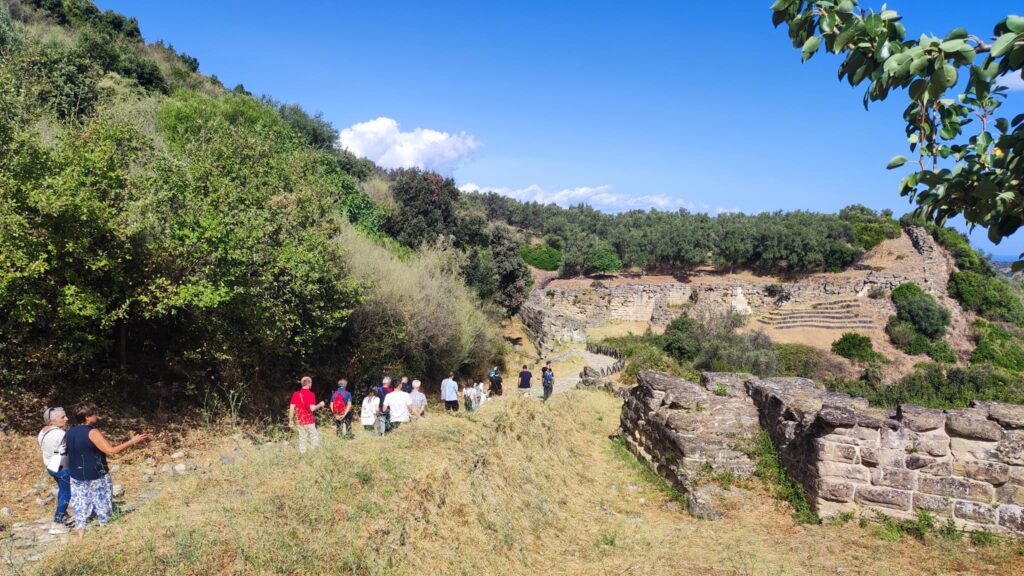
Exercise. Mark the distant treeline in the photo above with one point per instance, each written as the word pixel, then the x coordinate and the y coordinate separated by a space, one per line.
pixel 777 242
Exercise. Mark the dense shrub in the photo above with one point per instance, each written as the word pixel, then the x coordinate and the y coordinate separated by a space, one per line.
pixel 806 362
pixel 541 256
pixel 855 347
pixel 998 345
pixel 941 351
pixel 645 352
pixel 778 292
pixel 680 339
pixel 990 296
pixel 939 386
pixel 870 228
pixel 914 305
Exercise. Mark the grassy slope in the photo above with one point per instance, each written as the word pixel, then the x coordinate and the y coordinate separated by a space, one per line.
pixel 518 488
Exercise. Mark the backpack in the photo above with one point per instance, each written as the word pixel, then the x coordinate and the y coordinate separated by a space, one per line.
pixel 549 377
pixel 340 400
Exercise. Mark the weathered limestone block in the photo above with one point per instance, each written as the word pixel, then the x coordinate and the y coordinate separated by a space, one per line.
pixel 1010 416
pixel 1011 447
pixel 975 512
pixel 972 423
pixel 734 384
pixel 937 504
pixel 959 488
pixel 994 473
pixel 847 471
pixel 868 436
pixel 835 490
pixel 1017 475
pixel 894 478
pixel 1010 494
pixel 1012 518
pixel 933 443
pixel 962 448
pixel 836 452
pixel 919 418
pixel 886 497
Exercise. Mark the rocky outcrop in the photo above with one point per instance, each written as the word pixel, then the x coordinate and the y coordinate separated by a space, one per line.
pixel 966 464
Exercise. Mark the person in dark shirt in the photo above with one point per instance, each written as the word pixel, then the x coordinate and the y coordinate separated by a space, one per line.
pixel 524 378
pixel 495 378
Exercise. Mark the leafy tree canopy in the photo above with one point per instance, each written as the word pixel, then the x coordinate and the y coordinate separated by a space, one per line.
pixel 969 157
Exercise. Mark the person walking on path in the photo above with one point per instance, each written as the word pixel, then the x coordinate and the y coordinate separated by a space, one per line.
pixel 91 486
pixel 55 458
pixel 341 407
pixel 301 409
pixel 405 386
pixel 548 381
pixel 495 381
pixel 524 380
pixel 398 406
pixel 368 411
pixel 419 399
pixel 450 393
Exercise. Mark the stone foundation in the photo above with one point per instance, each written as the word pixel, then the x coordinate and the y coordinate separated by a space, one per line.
pixel 966 464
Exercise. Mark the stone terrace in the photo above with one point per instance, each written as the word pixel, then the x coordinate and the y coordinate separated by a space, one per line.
pixel 966 464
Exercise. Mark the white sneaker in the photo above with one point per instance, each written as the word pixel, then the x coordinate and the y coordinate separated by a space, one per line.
pixel 58 528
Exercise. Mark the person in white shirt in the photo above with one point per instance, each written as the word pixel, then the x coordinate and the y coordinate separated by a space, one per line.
pixel 419 399
pixel 481 394
pixel 470 394
pixel 450 393
pixel 368 412
pixel 55 458
pixel 399 408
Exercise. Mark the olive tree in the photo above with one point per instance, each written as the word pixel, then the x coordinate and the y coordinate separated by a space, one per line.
pixel 969 157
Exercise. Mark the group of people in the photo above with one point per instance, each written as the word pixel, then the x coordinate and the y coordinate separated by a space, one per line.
pixel 388 406
pixel 76 459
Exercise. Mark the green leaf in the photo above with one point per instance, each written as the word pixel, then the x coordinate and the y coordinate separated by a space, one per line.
pixel 957 33
pixel 811 46
pixel 1003 44
pixel 896 162
pixel 952 45
pixel 1015 23
pixel 1003 125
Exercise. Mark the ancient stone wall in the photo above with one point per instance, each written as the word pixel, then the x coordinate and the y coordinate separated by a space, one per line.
pixel 966 464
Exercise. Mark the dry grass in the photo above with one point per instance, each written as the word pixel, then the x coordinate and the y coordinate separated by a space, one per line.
pixel 618 328
pixel 517 488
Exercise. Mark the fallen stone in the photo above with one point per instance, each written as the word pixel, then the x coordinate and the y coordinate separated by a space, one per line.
pixel 44 501
pixel 180 469
pixel 177 455
pixel 5 512
pixel 147 478
pixel 149 461
pixel 167 469
pixel 117 491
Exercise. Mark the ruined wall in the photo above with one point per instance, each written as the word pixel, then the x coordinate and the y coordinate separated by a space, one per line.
pixel 966 464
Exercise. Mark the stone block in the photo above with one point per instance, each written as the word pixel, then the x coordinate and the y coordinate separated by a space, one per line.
pixel 1016 474
pixel 1010 494
pixel 937 504
pixel 869 456
pixel 838 416
pixel 959 488
pixel 919 418
pixel 841 470
pixel 1010 448
pixel 868 436
pixel 994 473
pixel 975 512
pixel 836 452
pixel 900 478
pixel 885 497
pixel 933 444
pixel 971 423
pixel 916 461
pixel 835 490
pixel 1008 415
pixel 893 439
pixel 963 448
pixel 1012 518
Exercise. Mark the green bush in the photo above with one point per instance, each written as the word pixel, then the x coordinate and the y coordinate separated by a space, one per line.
pixel 1000 346
pixel 855 347
pixel 920 309
pixel 941 351
pixel 542 256
pixel 991 297
pixel 680 339
pixel 939 386
pixel 806 362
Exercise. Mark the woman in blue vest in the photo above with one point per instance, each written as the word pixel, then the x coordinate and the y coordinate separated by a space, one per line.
pixel 87 450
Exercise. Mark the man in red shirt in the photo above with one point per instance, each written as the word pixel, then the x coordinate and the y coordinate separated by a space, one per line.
pixel 301 408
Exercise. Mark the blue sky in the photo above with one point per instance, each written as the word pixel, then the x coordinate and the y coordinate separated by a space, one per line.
pixel 670 104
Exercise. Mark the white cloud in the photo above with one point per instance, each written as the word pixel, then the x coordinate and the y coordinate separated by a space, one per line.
pixel 382 141
pixel 597 196
pixel 1013 81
